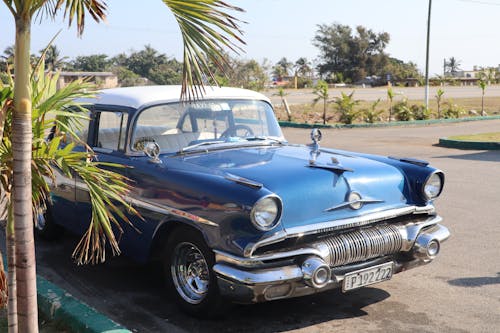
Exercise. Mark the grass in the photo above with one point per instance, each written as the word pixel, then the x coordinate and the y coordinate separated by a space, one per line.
pixel 308 113
pixel 483 137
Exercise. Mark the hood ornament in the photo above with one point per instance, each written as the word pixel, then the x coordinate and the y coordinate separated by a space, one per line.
pixel 354 201
pixel 315 151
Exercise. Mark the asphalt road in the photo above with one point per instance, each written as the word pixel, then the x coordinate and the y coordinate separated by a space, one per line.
pixel 458 292
pixel 305 96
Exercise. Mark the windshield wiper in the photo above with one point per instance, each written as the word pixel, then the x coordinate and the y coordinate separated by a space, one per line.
pixel 199 144
pixel 263 138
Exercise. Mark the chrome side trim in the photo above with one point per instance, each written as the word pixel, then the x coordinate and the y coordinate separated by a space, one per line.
pixel 243 181
pixel 274 238
pixel 162 209
pixel 157 208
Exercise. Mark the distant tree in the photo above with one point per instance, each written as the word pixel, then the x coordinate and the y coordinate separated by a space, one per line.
pixel 53 59
pixel 354 54
pixel 302 71
pixel 401 70
pixel 452 65
pixel 127 78
pixel 152 65
pixel 282 68
pixel 91 63
pixel 248 74
pixel 7 59
pixel 321 92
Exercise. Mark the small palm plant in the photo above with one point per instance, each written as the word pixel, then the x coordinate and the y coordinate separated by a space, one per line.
pixel 282 94
pixel 439 97
pixel 390 96
pixel 482 84
pixel 345 106
pixel 371 114
pixel 321 92
pixel 56 112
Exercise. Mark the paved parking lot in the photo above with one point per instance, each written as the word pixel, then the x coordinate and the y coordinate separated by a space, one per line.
pixel 459 292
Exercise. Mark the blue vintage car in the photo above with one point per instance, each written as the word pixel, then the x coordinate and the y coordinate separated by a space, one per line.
pixel 235 212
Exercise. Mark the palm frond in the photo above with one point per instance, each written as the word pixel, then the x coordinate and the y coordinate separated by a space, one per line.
pixel 76 9
pixel 55 111
pixel 206 28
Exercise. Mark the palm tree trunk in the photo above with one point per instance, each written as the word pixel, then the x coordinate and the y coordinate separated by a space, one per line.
pixel 21 195
pixel 11 271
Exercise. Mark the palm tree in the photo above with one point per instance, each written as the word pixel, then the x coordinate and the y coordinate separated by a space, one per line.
pixel 206 28
pixel 53 59
pixel 453 65
pixel 282 68
pixel 7 59
pixel 301 68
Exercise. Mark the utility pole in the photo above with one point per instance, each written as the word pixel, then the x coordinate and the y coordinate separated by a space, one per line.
pixel 427 57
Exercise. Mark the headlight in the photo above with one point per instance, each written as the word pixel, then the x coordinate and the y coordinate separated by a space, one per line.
pixel 266 213
pixel 434 185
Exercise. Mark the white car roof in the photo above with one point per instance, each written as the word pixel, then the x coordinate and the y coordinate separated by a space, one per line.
pixel 136 97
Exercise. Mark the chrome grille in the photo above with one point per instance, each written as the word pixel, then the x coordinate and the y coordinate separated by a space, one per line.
pixel 362 244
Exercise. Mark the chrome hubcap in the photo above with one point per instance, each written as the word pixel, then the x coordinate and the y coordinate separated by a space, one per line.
pixel 190 273
pixel 40 220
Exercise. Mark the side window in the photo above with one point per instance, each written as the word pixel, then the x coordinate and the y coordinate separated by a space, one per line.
pixel 112 130
pixel 83 129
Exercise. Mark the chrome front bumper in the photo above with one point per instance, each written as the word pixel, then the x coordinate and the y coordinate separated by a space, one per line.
pixel 291 273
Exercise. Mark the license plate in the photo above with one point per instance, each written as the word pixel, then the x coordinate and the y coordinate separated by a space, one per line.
pixel 367 276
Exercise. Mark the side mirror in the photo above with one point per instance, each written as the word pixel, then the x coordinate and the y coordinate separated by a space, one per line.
pixel 149 147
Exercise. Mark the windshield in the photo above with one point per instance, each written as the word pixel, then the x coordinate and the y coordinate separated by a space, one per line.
pixel 179 127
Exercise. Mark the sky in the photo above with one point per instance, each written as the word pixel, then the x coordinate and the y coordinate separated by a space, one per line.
pixel 468 30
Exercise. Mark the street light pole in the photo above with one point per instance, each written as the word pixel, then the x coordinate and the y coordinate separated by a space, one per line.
pixel 427 58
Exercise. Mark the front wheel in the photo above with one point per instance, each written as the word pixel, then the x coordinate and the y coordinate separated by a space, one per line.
pixel 188 266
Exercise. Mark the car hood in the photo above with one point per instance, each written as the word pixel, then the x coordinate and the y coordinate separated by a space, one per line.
pixel 314 187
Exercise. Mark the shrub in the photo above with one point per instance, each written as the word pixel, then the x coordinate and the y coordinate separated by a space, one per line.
pixel 4 78
pixel 371 115
pixel 402 111
pixel 345 106
pixel 452 110
pixel 420 112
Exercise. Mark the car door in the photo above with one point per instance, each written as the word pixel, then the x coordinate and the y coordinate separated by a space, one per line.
pixel 107 136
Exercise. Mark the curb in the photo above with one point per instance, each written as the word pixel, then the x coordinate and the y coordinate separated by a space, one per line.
pixel 387 124
pixel 473 145
pixel 58 305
